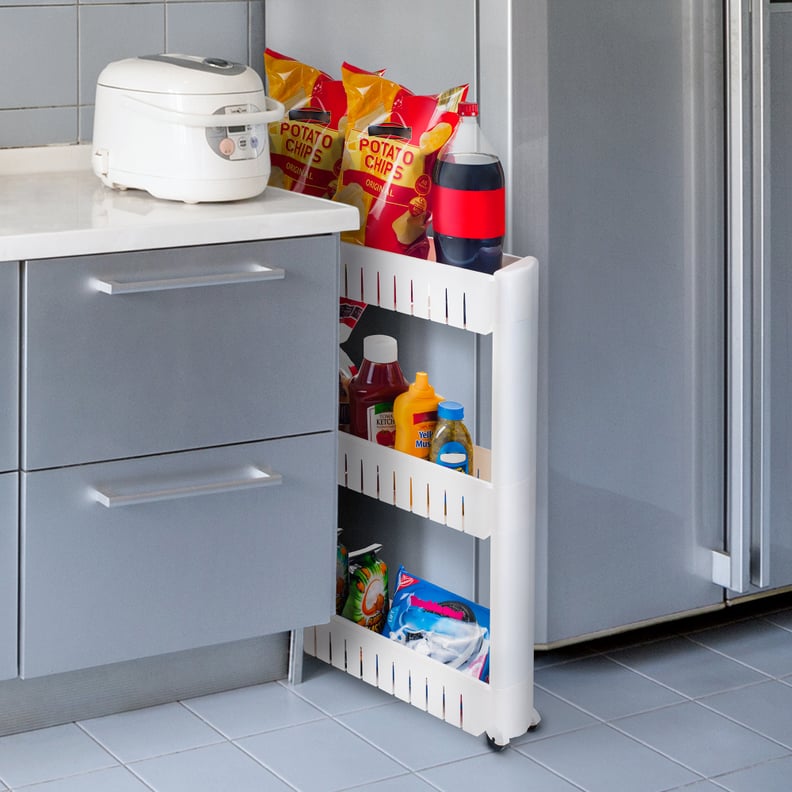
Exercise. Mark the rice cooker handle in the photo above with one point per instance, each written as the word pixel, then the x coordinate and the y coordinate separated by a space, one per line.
pixel 274 112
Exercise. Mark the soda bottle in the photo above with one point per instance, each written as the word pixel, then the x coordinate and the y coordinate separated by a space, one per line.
pixel 469 199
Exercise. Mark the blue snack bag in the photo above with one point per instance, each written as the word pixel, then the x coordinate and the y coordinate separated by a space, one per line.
pixel 440 625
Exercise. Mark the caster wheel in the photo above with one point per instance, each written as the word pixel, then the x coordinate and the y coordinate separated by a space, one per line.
pixel 495 746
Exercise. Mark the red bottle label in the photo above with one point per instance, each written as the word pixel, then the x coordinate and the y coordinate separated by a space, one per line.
pixel 469 214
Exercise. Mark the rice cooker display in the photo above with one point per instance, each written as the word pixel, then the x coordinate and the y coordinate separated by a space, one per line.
pixel 236 141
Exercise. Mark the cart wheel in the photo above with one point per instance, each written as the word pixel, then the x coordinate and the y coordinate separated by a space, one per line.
pixel 495 746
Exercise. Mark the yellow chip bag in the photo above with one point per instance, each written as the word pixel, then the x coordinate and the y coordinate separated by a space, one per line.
pixel 306 145
pixel 392 140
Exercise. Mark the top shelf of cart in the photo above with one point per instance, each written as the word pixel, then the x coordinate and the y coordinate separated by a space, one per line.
pixel 429 290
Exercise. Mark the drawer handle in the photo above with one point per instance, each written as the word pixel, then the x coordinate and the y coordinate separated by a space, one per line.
pixel 187 282
pixel 258 477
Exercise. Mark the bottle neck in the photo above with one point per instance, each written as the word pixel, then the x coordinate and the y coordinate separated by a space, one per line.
pixel 467 137
pixel 380 373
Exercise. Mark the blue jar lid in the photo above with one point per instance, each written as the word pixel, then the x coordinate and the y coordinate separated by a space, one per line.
pixel 450 410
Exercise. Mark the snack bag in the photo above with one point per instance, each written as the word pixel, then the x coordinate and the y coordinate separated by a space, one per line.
pixel 342 576
pixel 349 315
pixel 392 140
pixel 306 145
pixel 440 625
pixel 367 602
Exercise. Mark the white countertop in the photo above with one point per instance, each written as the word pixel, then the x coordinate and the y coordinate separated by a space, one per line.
pixel 52 204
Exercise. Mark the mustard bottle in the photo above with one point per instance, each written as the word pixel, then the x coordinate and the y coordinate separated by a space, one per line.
pixel 415 416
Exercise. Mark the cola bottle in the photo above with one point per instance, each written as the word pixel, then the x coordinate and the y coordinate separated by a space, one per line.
pixel 469 198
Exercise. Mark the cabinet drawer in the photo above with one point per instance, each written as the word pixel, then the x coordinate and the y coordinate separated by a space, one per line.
pixel 9 364
pixel 8 575
pixel 183 356
pixel 178 551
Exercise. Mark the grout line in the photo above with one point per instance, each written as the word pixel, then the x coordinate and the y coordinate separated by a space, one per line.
pixel 714 779
pixel 722 653
pixel 752 729
pixel 263 764
pixel 655 749
pixel 549 769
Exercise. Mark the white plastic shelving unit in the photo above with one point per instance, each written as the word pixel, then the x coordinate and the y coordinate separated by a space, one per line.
pixel 498 503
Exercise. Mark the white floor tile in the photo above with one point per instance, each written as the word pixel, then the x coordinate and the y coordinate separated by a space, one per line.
pixel 765 708
pixel 589 684
pixel 405 783
pixel 557 717
pixel 142 734
pixel 116 779
pixel 686 667
pixel 336 692
pixel 48 754
pixel 759 644
pixel 321 756
pixel 240 713
pixel 700 738
pixel 508 770
pixel 412 737
pixel 214 768
pixel 599 759
pixel 767 777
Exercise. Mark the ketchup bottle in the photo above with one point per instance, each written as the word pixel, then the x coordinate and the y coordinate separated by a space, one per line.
pixel 469 199
pixel 373 390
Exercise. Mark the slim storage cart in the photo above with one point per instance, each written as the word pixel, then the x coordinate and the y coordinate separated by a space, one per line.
pixel 497 503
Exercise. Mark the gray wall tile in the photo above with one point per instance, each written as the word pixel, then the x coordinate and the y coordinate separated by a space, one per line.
pixel 208 28
pixel 86 124
pixel 256 43
pixel 38 56
pixel 38 127
pixel 112 32
pixel 50 99
pixel 34 2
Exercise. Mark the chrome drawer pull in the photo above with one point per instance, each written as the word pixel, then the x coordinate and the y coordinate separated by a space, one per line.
pixel 259 477
pixel 132 287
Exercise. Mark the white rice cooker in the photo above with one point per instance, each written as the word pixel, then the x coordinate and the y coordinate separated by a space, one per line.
pixel 183 127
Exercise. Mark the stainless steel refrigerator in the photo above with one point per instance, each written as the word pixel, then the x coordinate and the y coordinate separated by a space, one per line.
pixel 759 531
pixel 645 145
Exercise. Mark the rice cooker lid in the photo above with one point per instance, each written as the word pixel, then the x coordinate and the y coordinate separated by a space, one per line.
pixel 180 74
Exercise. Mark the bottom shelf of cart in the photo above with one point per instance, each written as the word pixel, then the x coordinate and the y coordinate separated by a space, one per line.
pixel 444 692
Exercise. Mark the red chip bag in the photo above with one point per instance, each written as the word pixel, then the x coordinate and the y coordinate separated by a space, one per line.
pixel 392 140
pixel 306 145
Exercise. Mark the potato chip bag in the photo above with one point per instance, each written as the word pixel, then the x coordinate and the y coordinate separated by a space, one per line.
pixel 306 145
pixel 392 140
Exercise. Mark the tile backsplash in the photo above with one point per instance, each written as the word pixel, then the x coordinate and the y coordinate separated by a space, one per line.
pixel 52 52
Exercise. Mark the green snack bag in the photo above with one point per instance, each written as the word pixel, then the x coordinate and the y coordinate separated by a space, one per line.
pixel 367 602
pixel 342 576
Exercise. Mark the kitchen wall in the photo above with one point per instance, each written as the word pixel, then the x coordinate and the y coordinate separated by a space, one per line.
pixel 51 52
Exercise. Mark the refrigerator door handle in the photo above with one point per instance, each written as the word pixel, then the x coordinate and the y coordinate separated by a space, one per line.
pixel 730 569
pixel 760 236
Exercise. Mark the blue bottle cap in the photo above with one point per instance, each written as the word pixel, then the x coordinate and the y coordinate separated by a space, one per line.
pixel 452 411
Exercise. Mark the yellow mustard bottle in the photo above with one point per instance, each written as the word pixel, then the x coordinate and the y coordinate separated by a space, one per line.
pixel 415 416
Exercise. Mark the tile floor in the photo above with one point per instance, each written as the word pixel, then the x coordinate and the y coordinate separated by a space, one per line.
pixel 702 705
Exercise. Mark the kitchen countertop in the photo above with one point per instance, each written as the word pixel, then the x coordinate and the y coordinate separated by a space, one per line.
pixel 52 204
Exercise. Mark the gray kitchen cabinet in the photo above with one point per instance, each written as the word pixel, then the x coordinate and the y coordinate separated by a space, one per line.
pixel 146 556
pixel 9 414
pixel 178 449
pixel 9 364
pixel 8 575
pixel 148 352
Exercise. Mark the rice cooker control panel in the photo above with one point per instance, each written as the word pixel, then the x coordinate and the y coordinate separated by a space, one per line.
pixel 236 141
